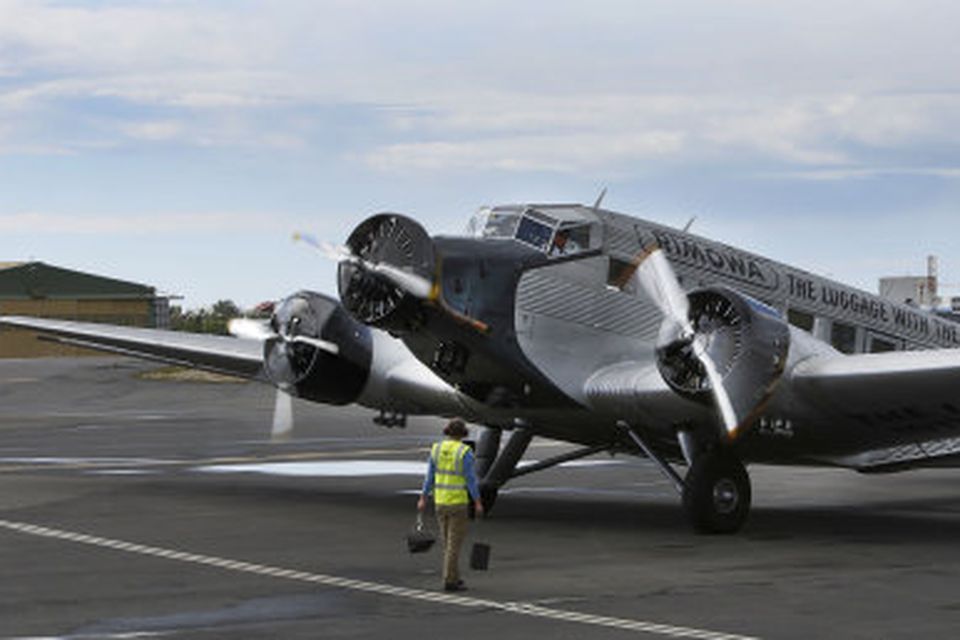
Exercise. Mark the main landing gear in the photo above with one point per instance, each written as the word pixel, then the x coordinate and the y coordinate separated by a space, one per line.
pixel 716 490
pixel 716 493
pixel 495 466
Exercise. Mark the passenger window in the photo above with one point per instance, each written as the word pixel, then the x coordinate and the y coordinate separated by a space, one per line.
pixel 619 272
pixel 878 344
pixel 800 319
pixel 843 337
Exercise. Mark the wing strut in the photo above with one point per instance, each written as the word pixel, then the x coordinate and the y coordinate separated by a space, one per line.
pixel 635 435
pixel 560 459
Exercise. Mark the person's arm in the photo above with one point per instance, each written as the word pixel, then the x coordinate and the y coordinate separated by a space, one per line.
pixel 473 487
pixel 427 483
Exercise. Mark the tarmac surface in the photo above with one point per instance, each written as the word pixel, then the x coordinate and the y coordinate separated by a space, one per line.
pixel 138 508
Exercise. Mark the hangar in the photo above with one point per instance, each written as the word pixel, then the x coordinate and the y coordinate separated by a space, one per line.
pixel 46 291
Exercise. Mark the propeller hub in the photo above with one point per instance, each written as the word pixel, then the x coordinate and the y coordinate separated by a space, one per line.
pixel 717 332
pixel 288 360
pixel 733 358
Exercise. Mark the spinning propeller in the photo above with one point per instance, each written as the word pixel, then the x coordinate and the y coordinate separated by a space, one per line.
pixel 695 350
pixel 387 271
pixel 404 279
pixel 291 344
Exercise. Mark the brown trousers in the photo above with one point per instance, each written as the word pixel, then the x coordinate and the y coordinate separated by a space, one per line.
pixel 453 529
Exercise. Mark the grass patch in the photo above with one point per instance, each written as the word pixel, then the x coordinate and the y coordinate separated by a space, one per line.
pixel 185 374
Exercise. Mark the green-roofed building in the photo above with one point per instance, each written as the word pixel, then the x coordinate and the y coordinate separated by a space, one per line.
pixel 43 290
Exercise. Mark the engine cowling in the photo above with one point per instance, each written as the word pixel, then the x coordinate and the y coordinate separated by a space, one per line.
pixel 747 341
pixel 306 370
pixel 396 240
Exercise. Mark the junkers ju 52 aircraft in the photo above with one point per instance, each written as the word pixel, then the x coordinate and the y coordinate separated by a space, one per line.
pixel 613 333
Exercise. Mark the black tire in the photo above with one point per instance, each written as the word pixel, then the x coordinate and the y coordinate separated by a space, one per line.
pixel 716 495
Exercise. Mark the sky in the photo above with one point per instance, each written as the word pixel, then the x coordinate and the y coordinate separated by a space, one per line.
pixel 180 144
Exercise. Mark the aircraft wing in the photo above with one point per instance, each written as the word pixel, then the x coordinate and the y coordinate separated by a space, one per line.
pixel 915 394
pixel 912 381
pixel 220 354
pixel 910 393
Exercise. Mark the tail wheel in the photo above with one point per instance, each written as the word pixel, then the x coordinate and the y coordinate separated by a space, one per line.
pixel 716 494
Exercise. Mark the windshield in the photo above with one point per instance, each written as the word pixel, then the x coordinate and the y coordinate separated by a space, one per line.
pixel 553 235
pixel 534 233
pixel 489 223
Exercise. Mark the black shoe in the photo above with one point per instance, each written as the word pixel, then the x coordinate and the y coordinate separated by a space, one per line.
pixel 455 586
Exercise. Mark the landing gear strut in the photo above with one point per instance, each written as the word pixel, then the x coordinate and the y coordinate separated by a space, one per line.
pixel 496 466
pixel 716 493
pixel 488 447
pixel 503 465
pixel 716 489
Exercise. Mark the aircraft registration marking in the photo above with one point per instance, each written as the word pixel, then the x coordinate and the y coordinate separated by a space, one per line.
pixel 518 608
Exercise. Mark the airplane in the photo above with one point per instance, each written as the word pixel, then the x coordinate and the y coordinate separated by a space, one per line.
pixel 607 331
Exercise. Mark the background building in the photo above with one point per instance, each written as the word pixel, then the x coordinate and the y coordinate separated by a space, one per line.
pixel 46 291
pixel 922 291
pixel 913 290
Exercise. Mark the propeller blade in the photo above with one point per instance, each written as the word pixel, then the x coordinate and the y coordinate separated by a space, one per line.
pixel 720 395
pixel 299 236
pixel 282 417
pixel 323 345
pixel 417 286
pixel 250 329
pixel 658 281
pixel 328 249
pixel 413 284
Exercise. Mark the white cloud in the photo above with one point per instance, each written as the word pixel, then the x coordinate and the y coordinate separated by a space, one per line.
pixel 849 173
pixel 523 132
pixel 142 224
pixel 156 130
pixel 561 153
pixel 747 83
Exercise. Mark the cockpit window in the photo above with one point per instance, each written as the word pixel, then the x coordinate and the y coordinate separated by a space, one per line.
pixel 570 239
pixel 534 233
pixel 554 235
pixel 488 223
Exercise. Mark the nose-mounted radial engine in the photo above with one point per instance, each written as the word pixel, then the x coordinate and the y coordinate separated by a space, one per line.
pixel 387 270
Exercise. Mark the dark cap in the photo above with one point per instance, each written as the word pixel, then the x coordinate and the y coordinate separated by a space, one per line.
pixel 456 428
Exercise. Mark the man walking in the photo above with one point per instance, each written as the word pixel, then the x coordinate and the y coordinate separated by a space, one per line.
pixel 452 480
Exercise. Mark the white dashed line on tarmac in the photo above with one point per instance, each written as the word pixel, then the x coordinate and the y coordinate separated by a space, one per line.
pixel 517 608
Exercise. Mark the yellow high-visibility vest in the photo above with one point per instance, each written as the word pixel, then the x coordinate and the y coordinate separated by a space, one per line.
pixel 449 478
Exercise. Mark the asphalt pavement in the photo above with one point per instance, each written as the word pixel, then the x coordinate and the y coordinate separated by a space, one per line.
pixel 133 507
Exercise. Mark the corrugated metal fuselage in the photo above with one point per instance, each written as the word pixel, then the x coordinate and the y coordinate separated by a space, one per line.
pixel 553 322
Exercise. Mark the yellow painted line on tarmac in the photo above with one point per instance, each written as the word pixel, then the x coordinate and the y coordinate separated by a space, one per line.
pixel 516 608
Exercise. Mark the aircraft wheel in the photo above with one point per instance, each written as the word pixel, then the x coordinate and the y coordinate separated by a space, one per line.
pixel 717 493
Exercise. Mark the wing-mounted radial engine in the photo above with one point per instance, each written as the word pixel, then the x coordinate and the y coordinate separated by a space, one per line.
pixel 732 352
pixel 313 349
pixel 716 345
